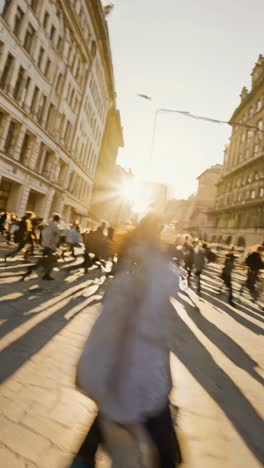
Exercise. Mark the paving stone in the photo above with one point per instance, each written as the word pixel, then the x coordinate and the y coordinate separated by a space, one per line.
pixel 10 460
pixel 23 441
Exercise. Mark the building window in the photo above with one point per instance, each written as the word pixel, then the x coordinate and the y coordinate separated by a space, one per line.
pixel 29 38
pixel 40 56
pixel 8 70
pixel 59 44
pixel 261 192
pixel 253 194
pixel 48 69
pixel 18 21
pixel 10 137
pixel 41 108
pixel 59 83
pixel 25 148
pixel 256 149
pixel 46 20
pixel 52 33
pixel 19 83
pixel 51 118
pixel 34 100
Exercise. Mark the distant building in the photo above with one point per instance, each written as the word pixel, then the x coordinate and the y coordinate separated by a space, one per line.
pixel 238 216
pixel 56 88
pixel 199 216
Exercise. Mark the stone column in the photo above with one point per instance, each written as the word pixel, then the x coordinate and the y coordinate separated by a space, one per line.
pixel 33 156
pixel 43 207
pixel 4 131
pixel 29 96
pixel 18 200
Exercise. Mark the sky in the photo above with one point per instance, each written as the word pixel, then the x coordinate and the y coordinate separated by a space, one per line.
pixel 191 55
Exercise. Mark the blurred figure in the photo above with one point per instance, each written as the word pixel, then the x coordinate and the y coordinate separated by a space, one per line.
pixel 199 261
pixel 73 238
pixel 3 218
pixel 50 240
pixel 13 226
pixel 188 256
pixel 254 263
pixel 227 275
pixel 24 236
pixel 130 343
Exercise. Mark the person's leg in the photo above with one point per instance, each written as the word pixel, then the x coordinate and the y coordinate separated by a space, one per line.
pixel 161 431
pixel 230 291
pixel 48 264
pixel 198 274
pixel 91 443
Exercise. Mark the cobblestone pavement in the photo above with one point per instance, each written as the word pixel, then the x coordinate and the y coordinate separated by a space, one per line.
pixel 217 365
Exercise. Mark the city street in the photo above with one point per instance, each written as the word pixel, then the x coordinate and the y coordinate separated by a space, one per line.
pixel 217 363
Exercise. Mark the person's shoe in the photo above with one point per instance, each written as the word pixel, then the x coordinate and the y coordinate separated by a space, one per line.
pixel 232 303
pixel 47 277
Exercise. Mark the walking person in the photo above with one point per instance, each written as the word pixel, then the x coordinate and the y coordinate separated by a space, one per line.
pixel 188 254
pixel 73 238
pixel 227 275
pixel 130 343
pixel 24 236
pixel 199 260
pixel 50 242
pixel 3 219
pixel 254 263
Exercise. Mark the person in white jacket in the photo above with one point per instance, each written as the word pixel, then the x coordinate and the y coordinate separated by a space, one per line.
pixel 50 241
pixel 130 343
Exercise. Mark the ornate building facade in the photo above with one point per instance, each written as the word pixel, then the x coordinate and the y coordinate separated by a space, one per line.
pixel 56 88
pixel 238 216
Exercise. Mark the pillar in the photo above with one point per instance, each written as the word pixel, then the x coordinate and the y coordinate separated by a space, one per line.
pixel 17 202
pixel 44 205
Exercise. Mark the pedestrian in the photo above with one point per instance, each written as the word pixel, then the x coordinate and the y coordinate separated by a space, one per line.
pixel 254 263
pixel 23 236
pixel 188 255
pixel 3 218
pixel 199 263
pixel 227 275
pixel 50 241
pixel 73 238
pixel 13 226
pixel 130 343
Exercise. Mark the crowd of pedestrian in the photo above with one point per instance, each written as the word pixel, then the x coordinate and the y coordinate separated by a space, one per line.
pixel 53 240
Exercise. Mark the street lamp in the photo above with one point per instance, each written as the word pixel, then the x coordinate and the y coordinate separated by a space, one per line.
pixel 200 117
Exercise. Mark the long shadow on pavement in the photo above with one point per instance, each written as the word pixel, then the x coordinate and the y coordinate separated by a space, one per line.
pixel 223 342
pixel 21 350
pixel 233 313
pixel 219 386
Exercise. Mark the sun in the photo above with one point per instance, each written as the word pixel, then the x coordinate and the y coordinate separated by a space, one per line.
pixel 132 191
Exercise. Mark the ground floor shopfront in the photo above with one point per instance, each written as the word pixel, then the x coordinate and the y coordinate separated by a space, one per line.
pixel 22 190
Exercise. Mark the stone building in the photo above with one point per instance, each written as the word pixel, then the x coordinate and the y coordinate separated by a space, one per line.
pixel 239 211
pixel 106 196
pixel 56 88
pixel 198 222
